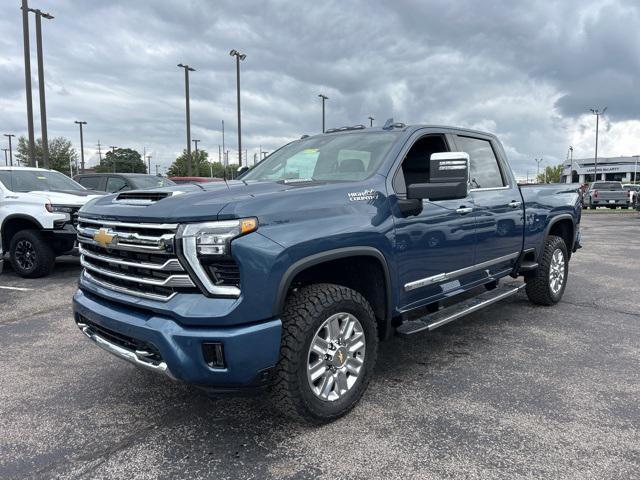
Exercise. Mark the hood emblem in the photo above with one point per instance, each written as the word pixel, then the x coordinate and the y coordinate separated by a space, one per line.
pixel 104 238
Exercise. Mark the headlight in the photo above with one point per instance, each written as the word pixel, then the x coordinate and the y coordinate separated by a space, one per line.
pixel 58 208
pixel 202 242
pixel 214 238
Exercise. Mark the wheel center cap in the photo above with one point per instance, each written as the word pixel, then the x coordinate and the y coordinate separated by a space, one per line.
pixel 339 357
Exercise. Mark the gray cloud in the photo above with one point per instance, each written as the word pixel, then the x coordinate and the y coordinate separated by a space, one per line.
pixel 525 71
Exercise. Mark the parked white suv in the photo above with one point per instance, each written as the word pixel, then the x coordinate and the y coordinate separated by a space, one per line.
pixel 38 214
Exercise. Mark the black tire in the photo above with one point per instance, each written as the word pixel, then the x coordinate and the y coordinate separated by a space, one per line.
pixel 538 287
pixel 31 256
pixel 592 207
pixel 305 312
pixel 625 208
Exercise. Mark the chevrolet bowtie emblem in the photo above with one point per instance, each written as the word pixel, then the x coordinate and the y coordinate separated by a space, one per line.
pixel 103 237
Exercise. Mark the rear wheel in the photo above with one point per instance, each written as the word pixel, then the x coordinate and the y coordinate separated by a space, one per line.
pixel 328 351
pixel 546 285
pixel 31 256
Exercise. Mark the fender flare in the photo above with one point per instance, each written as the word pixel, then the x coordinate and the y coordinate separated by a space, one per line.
pixel 329 255
pixel 547 229
pixel 20 216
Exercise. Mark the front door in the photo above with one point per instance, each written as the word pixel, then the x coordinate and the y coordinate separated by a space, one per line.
pixel 498 207
pixel 437 241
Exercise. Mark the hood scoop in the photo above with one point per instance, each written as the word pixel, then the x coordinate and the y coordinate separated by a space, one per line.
pixel 142 197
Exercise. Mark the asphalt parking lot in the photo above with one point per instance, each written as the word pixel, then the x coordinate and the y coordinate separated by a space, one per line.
pixel 514 391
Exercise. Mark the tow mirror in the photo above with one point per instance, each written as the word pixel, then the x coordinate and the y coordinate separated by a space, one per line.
pixel 448 175
pixel 242 169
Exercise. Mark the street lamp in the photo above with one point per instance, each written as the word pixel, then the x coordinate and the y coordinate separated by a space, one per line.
pixel 27 81
pixel 187 69
pixel 324 98
pixel 195 142
pixel 9 135
pixel 571 163
pixel 80 124
pixel 371 119
pixel 597 113
pixel 43 108
pixel 239 56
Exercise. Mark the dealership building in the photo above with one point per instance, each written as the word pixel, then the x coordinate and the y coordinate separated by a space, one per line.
pixel 620 169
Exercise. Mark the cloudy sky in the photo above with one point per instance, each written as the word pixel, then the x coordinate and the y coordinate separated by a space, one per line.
pixel 527 71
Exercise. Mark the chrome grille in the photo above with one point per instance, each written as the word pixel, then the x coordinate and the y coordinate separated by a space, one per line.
pixel 138 259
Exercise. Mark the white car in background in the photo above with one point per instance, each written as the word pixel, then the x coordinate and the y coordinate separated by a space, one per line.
pixel 634 192
pixel 38 215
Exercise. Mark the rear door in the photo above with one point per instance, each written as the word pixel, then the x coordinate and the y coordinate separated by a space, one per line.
pixel 498 205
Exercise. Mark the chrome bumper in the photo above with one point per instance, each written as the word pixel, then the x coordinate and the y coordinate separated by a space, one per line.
pixel 138 357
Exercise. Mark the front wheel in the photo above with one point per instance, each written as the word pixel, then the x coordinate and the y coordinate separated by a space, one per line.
pixel 327 354
pixel 31 256
pixel 546 285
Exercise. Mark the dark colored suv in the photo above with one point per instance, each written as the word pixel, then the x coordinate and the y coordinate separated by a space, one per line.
pixel 118 182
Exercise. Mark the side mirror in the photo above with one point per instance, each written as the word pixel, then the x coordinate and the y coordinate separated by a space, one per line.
pixel 241 170
pixel 448 175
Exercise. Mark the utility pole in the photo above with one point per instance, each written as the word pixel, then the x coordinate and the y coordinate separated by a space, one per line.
pixel 538 161
pixel 187 69
pixel 5 150
pixel 239 56
pixel 27 80
pixel 195 142
pixel 9 135
pixel 223 149
pixel 148 157
pixel 324 98
pixel 635 171
pixel 99 151
pixel 219 154
pixel 371 119
pixel 43 104
pixel 113 154
pixel 571 163
pixel 597 113
pixel 81 145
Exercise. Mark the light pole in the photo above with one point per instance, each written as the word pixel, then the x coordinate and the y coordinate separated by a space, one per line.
pixel 27 81
pixel 538 161
pixel 9 135
pixel 324 98
pixel 571 163
pixel 187 69
pixel 80 124
pixel 43 107
pixel 635 170
pixel 597 113
pixel 371 119
pixel 239 56
pixel 195 142
pixel 148 157
pixel 5 150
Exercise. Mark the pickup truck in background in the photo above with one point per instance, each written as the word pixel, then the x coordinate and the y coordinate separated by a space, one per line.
pixel 289 277
pixel 606 194
pixel 38 214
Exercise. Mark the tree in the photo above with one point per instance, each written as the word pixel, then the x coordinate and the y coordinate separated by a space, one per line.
pixel 61 153
pixel 126 160
pixel 200 166
pixel 550 175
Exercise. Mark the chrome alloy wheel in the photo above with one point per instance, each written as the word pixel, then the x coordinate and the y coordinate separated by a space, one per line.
pixel 25 254
pixel 336 356
pixel 556 271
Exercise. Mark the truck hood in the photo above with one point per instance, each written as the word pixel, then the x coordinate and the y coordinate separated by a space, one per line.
pixel 64 197
pixel 188 203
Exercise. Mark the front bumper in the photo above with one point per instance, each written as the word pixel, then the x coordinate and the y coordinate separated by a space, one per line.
pixel 251 351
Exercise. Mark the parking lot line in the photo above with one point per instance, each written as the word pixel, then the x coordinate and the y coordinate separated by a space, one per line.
pixel 20 289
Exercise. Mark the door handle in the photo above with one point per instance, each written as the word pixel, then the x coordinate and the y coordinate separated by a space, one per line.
pixel 464 210
pixel 515 204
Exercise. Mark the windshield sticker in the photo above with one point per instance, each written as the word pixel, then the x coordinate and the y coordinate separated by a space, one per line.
pixel 310 150
pixel 365 195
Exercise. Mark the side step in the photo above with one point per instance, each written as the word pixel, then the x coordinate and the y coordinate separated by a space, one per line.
pixel 457 310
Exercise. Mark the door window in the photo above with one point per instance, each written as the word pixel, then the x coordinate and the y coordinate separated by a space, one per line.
pixel 92 183
pixel 415 166
pixel 116 184
pixel 484 169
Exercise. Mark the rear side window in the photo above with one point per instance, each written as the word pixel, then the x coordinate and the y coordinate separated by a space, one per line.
pixel 92 183
pixel 607 185
pixel 484 169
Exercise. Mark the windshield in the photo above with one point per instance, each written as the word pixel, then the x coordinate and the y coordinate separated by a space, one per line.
pixel 150 181
pixel 352 156
pixel 37 180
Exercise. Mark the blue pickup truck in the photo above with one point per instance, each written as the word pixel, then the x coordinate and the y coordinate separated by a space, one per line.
pixel 288 278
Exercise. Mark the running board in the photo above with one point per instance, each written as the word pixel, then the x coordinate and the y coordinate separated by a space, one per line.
pixel 457 310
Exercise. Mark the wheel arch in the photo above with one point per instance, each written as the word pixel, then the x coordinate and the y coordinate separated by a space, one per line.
pixel 562 226
pixel 313 263
pixel 14 223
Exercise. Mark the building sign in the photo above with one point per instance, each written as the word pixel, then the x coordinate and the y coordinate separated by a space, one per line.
pixel 604 168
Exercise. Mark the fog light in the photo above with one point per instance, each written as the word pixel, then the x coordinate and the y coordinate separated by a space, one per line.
pixel 213 354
